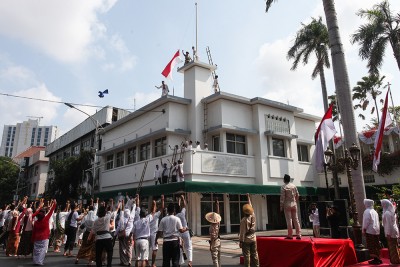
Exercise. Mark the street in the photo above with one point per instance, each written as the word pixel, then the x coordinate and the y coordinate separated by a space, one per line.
pixel 201 257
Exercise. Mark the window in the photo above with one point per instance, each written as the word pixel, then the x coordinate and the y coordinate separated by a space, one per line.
pixel 302 153
pixel 160 147
pixel 33 136
pixel 120 159
pixel 278 147
pixel 207 204
pixel 236 203
pixel 369 178
pixel 86 145
pixel 39 136
pixel 236 144
pixel 75 150
pixel 215 143
pixel 109 162
pixel 36 170
pixel 131 155
pixel 34 188
pixel 144 151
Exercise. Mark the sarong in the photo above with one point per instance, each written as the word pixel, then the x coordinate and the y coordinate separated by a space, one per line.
pixel 393 250
pixel 373 245
pixel 25 244
pixel 125 249
pixel 88 248
pixel 12 243
pixel 39 251
pixel 58 237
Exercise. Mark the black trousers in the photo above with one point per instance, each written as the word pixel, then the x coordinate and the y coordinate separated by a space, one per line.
pixel 165 179
pixel 71 236
pixel 171 251
pixel 104 244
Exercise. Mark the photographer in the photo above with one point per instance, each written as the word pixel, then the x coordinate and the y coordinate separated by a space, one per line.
pixel 314 218
pixel 332 215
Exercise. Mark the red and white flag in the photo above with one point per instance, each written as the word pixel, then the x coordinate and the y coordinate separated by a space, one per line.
pixel 325 132
pixel 167 72
pixel 383 123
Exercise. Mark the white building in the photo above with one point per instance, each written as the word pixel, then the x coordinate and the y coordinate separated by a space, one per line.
pixel 35 167
pixel 17 138
pixel 252 144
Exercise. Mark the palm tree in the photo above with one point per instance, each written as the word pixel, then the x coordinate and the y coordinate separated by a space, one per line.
pixel 342 86
pixel 312 39
pixel 368 86
pixel 335 109
pixel 373 37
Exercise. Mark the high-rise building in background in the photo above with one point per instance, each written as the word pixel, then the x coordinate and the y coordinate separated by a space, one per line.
pixel 17 138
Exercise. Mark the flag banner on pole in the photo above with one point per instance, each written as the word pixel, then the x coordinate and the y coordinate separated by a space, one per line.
pixel 325 132
pixel 167 72
pixel 383 123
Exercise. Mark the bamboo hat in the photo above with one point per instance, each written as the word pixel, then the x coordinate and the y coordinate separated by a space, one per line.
pixel 213 217
pixel 248 209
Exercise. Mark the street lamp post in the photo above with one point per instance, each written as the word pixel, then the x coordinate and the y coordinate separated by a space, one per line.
pixel 350 161
pixel 96 141
pixel 326 180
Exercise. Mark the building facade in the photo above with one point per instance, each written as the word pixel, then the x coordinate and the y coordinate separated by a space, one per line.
pixel 17 138
pixel 252 143
pixel 83 137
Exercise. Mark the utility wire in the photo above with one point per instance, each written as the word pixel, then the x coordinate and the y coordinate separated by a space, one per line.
pixel 74 104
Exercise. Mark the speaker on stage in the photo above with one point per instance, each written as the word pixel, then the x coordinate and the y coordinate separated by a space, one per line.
pixel 343 208
pixel 322 205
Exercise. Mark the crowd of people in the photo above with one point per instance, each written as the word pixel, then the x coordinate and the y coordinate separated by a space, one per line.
pixel 174 172
pixel 30 230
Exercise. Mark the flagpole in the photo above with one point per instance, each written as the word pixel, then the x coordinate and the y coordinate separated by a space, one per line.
pixel 196 30
pixel 394 110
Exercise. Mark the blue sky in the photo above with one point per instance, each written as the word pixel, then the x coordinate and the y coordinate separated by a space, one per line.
pixel 69 50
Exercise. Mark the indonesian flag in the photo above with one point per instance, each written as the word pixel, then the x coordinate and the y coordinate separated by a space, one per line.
pixel 383 123
pixel 325 132
pixel 167 72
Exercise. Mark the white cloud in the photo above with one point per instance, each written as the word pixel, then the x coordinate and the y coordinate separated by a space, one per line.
pixel 62 29
pixel 18 109
pixel 288 86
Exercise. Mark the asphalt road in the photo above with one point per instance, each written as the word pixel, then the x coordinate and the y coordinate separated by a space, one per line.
pixel 201 257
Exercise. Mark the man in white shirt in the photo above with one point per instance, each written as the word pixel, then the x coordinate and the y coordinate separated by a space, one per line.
pixel 154 217
pixel 170 227
pixel 314 218
pixel 164 88
pixel 187 241
pixel 141 234
pixel 157 175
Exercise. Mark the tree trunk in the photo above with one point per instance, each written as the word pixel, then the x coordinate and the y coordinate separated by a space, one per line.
pixel 323 87
pixel 344 98
pixel 376 109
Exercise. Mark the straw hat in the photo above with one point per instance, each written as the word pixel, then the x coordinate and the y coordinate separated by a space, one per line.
pixel 248 209
pixel 213 217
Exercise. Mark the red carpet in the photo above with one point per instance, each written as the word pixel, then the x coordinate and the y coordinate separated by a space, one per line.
pixel 307 252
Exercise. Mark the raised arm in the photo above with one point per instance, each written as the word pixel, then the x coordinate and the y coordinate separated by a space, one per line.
pixel 53 205
pixel 217 206
pixel 248 199
pixel 162 203
pixel 183 202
